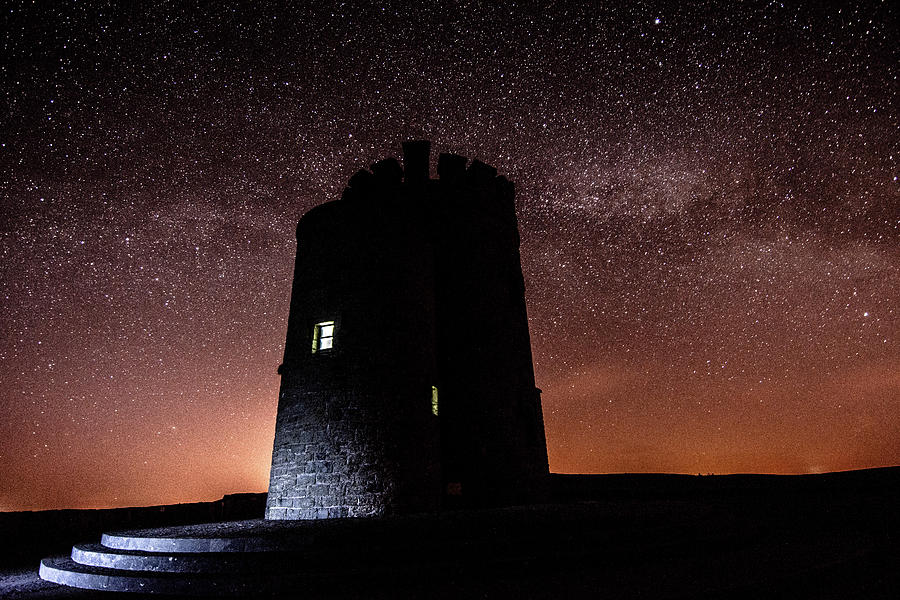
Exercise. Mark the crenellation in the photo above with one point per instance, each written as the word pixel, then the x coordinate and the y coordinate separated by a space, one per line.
pixel 388 172
pixel 451 168
pixel 480 174
pixel 361 180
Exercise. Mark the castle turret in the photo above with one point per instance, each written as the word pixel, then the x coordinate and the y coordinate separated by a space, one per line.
pixel 407 380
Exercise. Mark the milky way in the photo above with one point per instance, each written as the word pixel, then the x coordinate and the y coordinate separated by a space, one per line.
pixel 707 196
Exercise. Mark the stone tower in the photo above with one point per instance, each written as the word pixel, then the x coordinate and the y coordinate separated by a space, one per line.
pixel 407 383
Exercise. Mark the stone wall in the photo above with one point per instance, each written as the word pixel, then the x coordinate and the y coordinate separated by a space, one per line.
pixel 329 458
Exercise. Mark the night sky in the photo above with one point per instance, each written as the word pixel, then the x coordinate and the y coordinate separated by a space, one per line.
pixel 708 199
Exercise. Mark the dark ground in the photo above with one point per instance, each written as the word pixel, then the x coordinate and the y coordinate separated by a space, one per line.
pixel 601 536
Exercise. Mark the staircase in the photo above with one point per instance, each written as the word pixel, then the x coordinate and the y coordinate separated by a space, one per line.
pixel 174 562
pixel 332 557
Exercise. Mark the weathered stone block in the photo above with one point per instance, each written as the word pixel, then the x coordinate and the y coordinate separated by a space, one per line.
pixel 323 466
pixel 305 502
pixel 328 478
pixel 336 512
pixel 319 490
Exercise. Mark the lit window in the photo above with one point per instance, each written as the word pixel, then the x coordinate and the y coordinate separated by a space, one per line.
pixel 323 336
pixel 434 401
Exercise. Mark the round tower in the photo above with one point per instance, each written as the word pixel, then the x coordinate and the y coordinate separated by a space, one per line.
pixel 407 381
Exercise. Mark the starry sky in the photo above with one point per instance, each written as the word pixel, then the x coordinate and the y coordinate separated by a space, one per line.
pixel 707 194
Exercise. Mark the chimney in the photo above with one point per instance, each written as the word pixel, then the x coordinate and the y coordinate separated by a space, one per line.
pixel 416 159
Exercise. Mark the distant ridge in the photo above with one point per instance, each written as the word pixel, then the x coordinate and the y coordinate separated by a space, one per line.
pixel 568 487
pixel 39 533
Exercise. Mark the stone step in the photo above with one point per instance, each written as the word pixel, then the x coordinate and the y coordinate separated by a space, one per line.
pixel 127 541
pixel 98 555
pixel 65 571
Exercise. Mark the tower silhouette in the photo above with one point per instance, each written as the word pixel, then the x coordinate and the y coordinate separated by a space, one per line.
pixel 407 381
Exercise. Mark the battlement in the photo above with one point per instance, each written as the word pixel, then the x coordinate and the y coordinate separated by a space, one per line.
pixel 495 193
